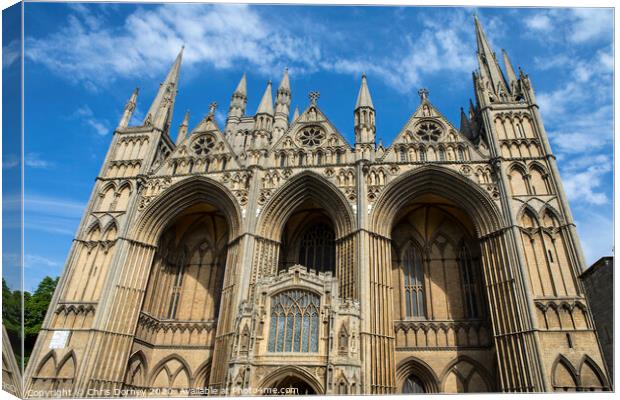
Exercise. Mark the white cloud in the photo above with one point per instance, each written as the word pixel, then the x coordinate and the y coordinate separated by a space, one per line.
pixel 89 51
pixel 33 261
pixel 590 24
pixel 587 184
pixel 540 22
pixel 33 160
pixel 595 234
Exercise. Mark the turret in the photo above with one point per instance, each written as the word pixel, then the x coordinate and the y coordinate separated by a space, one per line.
pixel 237 105
pixel 364 116
pixel 295 114
pixel 129 109
pixel 283 104
pixel 160 114
pixel 263 120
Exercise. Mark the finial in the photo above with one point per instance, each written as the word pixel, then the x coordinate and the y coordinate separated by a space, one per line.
pixel 314 96
pixel 212 108
pixel 423 93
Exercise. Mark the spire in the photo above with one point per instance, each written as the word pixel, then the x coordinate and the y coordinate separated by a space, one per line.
pixel 183 128
pixel 363 97
pixel 160 113
pixel 510 72
pixel 129 109
pixel 284 83
pixel 296 113
pixel 242 87
pixel 489 68
pixel 266 104
pixel 465 128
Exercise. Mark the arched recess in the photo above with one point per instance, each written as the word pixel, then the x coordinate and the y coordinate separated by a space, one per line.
pixel 564 376
pixel 307 218
pixel 591 377
pixel 417 368
pixel 299 189
pixel 517 179
pixel 291 376
pixel 136 374
pixel 172 373
pixel 466 375
pixel 180 196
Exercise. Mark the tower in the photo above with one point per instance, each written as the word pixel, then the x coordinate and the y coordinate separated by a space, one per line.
pixel 283 104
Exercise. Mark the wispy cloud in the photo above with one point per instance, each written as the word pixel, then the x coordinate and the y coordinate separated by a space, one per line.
pixel 11 53
pixel 52 214
pixel 87 117
pixel 575 25
pixel 31 160
pixel 86 50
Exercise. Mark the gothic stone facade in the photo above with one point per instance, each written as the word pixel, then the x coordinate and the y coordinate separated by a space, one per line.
pixel 274 254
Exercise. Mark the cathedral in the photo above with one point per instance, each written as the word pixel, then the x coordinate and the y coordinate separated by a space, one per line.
pixel 271 256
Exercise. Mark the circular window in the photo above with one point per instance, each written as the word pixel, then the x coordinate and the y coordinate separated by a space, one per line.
pixel 203 145
pixel 311 137
pixel 428 131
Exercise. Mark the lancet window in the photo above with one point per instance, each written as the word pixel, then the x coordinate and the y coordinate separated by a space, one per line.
pixel 317 249
pixel 414 282
pixel 472 309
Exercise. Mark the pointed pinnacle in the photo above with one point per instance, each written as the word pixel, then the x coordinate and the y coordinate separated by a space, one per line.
pixel 266 104
pixel 242 87
pixel 185 119
pixel 508 65
pixel 363 96
pixel 284 83
pixel 296 113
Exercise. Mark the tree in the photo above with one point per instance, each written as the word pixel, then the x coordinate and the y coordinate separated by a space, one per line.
pixel 35 307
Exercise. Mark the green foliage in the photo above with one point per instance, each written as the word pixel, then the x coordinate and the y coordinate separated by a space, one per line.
pixel 35 307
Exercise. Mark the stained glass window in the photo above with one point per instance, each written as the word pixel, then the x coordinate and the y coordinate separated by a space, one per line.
pixel 294 323
pixel 414 282
pixel 469 283
pixel 413 384
pixel 317 248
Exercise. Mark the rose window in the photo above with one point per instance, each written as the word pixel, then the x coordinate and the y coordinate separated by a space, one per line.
pixel 311 137
pixel 428 131
pixel 203 145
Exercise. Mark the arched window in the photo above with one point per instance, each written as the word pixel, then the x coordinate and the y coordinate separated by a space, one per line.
pixel 469 284
pixel 403 154
pixel 414 282
pixel 422 155
pixel 520 131
pixel 413 384
pixel 461 154
pixel 282 160
pixel 319 158
pixel 301 159
pixel 442 155
pixel 317 249
pixel 338 157
pixel 294 322
pixel 177 286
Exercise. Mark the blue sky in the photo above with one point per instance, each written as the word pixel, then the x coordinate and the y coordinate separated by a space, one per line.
pixel 82 62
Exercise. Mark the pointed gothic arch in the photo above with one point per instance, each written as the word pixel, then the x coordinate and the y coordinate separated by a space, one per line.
pixel 180 196
pixel 591 376
pixel 305 186
pixel 475 379
pixel 276 378
pixel 413 366
pixel 564 376
pixel 173 375
pixel 432 179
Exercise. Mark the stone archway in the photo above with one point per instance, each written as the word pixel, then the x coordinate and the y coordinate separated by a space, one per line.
pixel 291 381
pixel 503 277
pixel 307 199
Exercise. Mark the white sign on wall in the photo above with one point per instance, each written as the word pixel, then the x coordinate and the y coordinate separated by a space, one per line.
pixel 59 339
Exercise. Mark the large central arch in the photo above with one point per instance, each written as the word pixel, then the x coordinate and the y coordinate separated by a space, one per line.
pixel 305 186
